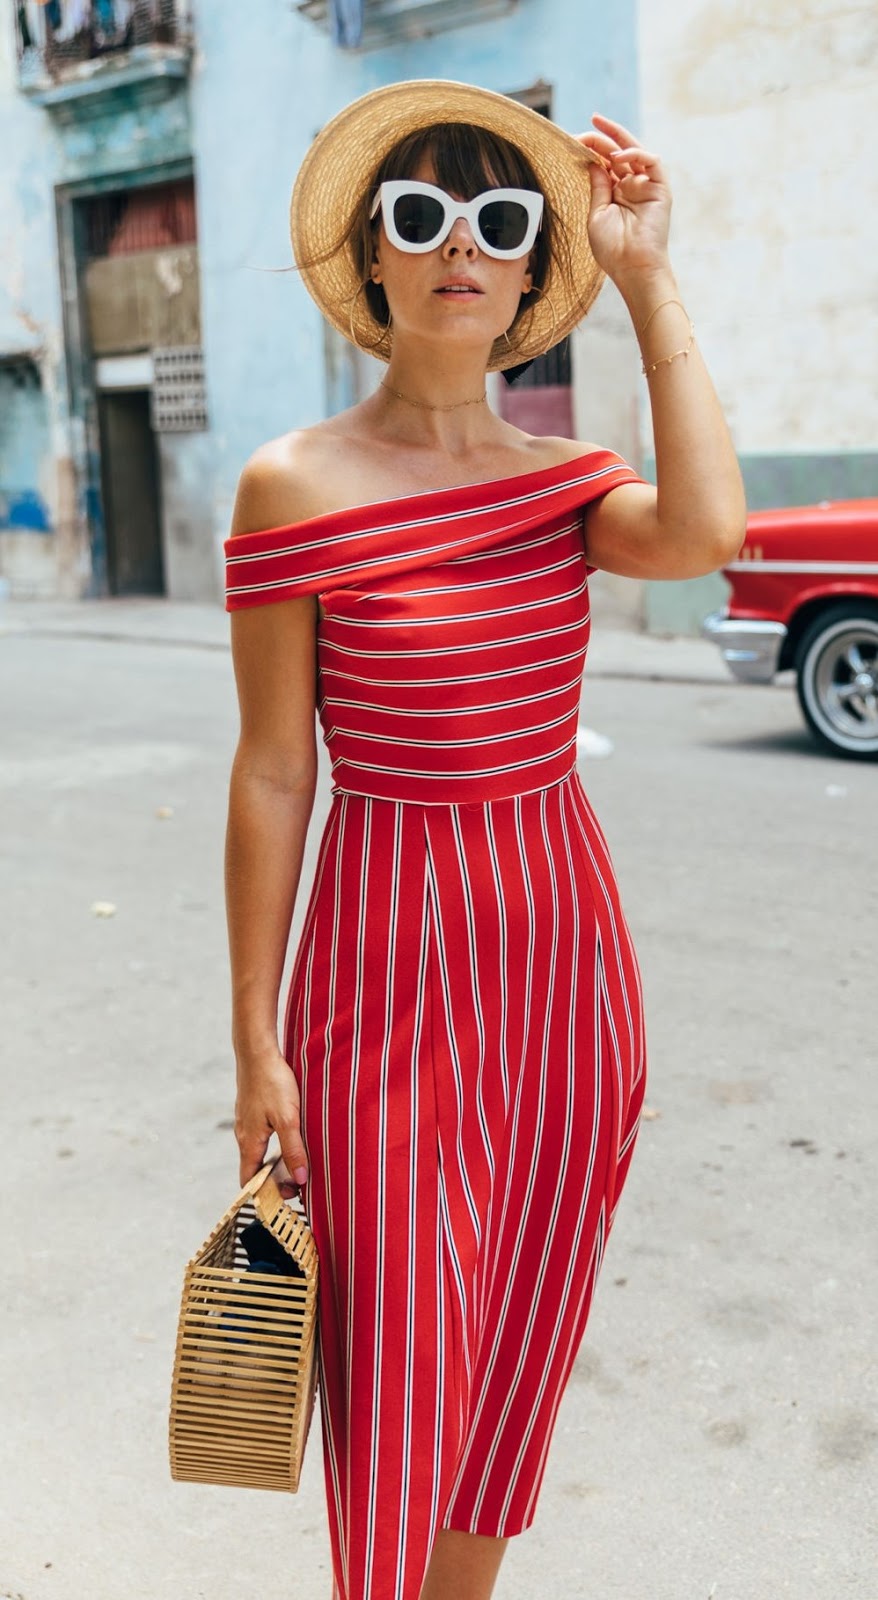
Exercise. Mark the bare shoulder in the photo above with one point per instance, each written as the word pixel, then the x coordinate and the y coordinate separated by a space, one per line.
pixel 563 450
pixel 283 481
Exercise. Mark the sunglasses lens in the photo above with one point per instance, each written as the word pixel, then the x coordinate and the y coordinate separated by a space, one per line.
pixel 503 223
pixel 418 218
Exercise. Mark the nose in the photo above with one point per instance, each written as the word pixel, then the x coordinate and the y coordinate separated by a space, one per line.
pixel 460 241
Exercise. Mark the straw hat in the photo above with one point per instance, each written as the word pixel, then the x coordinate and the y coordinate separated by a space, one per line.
pixel 342 163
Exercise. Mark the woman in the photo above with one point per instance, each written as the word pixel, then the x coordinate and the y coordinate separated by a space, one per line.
pixel 464 1022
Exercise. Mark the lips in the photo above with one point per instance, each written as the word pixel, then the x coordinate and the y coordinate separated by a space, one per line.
pixel 459 287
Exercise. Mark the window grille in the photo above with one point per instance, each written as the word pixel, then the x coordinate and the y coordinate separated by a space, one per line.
pixel 178 403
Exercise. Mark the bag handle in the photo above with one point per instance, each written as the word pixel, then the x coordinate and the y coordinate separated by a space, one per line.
pixel 251 1188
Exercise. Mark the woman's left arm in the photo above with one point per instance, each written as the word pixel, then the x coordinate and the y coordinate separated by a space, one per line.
pixel 694 520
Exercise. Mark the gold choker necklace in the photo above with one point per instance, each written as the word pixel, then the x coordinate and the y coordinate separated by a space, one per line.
pixel 424 405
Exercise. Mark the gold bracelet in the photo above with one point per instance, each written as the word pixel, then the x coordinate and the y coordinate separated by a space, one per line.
pixel 664 360
pixel 655 312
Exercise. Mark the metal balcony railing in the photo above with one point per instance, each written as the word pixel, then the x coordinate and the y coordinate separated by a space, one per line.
pixel 375 23
pixel 56 36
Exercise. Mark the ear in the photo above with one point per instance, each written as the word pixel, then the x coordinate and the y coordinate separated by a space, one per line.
pixel 375 272
pixel 527 282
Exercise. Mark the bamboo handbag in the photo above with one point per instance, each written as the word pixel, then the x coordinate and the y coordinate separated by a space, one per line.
pixel 245 1371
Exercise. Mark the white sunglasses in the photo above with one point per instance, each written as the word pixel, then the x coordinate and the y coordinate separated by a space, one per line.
pixel 418 217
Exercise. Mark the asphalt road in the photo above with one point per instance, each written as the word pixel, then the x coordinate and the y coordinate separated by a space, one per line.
pixel 719 1439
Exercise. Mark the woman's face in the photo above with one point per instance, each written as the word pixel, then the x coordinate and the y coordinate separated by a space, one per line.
pixel 456 292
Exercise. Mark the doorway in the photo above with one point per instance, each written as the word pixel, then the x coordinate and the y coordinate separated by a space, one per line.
pixel 131 498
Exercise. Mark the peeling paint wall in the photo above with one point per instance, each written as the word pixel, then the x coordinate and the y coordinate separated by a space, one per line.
pixel 766 117
pixel 46 557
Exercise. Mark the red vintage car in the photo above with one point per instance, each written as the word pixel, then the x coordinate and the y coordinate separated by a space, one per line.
pixel 805 598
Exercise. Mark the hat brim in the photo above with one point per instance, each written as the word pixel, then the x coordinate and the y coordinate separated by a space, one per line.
pixel 343 160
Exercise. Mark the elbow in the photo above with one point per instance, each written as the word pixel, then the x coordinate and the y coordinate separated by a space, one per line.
pixel 727 539
pixel 696 552
pixel 723 546
pixel 715 543
pixel 293 775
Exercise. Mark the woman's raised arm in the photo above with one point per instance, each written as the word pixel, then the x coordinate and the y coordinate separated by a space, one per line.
pixel 694 520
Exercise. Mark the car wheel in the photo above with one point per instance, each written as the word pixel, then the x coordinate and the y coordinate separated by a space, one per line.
pixel 837 679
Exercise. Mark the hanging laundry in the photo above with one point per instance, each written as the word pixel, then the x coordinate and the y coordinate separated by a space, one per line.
pixel 77 15
pixel 24 32
pixel 347 22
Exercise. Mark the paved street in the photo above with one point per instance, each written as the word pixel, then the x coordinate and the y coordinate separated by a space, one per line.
pixel 719 1438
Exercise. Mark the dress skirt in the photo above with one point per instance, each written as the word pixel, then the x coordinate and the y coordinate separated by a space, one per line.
pixel 465 1027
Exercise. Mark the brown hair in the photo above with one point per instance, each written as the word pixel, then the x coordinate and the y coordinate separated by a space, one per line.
pixel 467 160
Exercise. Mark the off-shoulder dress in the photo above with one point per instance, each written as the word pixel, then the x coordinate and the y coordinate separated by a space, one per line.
pixel 464 1019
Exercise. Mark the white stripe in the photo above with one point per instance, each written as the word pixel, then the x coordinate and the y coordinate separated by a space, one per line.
pixel 843 568
pixel 450 618
pixel 441 744
pixel 419 682
pixel 575 625
pixel 540 570
pixel 449 772
pixel 520 544
pixel 415 713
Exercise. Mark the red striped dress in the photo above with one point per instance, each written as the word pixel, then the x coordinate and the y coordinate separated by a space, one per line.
pixel 464 1019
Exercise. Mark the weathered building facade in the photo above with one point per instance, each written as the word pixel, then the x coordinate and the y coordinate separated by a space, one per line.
pixel 152 334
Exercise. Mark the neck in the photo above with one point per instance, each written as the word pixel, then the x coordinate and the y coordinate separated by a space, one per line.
pixel 446 383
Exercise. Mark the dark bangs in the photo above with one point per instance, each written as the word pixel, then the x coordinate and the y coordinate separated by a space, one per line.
pixel 466 160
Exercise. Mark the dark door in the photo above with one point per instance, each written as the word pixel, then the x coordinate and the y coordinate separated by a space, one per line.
pixel 130 483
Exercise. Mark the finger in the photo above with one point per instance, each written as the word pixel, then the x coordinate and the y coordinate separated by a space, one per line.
pixel 634 156
pixel 284 1179
pixel 635 187
pixel 252 1152
pixel 597 141
pixel 293 1150
pixel 590 145
pixel 621 134
pixel 602 184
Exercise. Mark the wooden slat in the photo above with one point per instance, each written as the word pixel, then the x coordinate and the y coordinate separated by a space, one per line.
pixel 244 1384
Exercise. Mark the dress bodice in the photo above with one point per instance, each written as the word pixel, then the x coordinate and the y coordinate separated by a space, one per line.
pixel 452 634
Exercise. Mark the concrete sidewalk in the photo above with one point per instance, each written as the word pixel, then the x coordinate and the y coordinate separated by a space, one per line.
pixel 613 652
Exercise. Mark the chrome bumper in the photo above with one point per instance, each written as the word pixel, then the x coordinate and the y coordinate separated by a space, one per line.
pixel 750 650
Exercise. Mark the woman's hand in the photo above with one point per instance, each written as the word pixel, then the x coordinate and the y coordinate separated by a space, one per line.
pixel 630 213
pixel 269 1102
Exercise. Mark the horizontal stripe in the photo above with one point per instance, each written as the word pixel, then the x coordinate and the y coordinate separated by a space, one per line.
pixel 451 710
pixel 484 676
pixel 460 743
pixel 402 651
pixel 843 569
pixel 448 619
